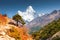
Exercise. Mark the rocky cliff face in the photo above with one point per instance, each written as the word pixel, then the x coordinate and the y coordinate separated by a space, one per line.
pixel 12 32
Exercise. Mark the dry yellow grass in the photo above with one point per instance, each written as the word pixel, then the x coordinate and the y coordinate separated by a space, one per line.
pixel 19 33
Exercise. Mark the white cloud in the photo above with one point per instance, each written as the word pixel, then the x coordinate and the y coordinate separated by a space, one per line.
pixel 28 15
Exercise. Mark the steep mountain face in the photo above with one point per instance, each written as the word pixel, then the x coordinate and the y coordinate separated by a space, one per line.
pixel 11 31
pixel 44 20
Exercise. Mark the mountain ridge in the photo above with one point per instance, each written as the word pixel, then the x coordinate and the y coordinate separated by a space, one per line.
pixel 48 32
pixel 44 20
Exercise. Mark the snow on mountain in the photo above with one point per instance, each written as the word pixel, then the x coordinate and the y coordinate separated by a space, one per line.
pixel 44 20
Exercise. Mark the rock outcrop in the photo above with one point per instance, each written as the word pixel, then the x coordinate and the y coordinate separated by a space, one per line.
pixel 12 32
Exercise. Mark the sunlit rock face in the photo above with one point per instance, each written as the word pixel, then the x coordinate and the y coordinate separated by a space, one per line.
pixel 3 28
pixel 12 32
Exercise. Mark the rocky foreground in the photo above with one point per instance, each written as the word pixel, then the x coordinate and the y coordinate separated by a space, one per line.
pixel 12 32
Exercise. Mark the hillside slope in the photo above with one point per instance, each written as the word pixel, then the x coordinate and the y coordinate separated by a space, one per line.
pixel 56 36
pixel 47 31
pixel 12 32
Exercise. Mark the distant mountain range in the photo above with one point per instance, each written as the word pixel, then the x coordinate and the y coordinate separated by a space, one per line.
pixel 43 20
pixel 51 31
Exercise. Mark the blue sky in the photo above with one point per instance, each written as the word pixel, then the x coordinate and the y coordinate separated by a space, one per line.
pixel 11 7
